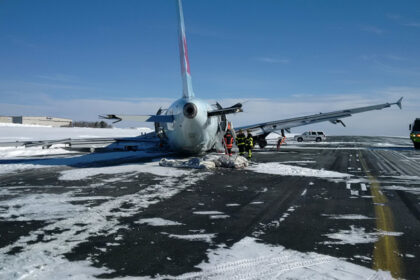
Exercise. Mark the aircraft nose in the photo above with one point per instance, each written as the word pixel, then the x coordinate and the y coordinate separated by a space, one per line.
pixel 190 110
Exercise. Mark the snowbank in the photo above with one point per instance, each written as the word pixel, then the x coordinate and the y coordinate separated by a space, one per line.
pixel 290 170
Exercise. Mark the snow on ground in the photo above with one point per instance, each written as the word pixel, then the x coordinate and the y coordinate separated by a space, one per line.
pixel 249 259
pixel 12 133
pixel 205 237
pixel 150 167
pixel 290 170
pixel 24 164
pixel 356 236
pixel 414 190
pixel 72 224
pixel 158 222
pixel 16 152
pixel 347 217
pixel 208 213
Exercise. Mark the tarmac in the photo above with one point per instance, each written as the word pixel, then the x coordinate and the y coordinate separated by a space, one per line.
pixel 355 199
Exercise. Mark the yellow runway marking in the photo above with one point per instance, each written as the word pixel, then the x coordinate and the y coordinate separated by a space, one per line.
pixel 386 254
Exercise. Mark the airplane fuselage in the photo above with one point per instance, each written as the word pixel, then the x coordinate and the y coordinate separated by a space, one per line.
pixel 192 130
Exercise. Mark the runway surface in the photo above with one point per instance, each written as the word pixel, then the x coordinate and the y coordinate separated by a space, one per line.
pixel 348 208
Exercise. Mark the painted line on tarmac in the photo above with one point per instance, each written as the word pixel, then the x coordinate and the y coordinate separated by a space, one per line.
pixel 385 253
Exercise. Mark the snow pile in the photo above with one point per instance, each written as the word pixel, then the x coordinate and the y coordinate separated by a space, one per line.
pixel 248 259
pixel 207 162
pixel 290 170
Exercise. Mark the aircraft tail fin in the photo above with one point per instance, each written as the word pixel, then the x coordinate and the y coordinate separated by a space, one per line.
pixel 399 102
pixel 187 90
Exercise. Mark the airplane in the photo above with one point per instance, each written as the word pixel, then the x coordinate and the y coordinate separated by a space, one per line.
pixel 192 125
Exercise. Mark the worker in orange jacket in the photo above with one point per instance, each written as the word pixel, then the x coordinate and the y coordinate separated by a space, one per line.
pixel 228 140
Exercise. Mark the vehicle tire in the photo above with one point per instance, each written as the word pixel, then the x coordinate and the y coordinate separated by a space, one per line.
pixel 300 139
pixel 416 145
pixel 318 139
pixel 262 143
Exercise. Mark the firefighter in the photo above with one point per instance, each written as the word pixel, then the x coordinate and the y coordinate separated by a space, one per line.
pixel 228 139
pixel 240 142
pixel 249 144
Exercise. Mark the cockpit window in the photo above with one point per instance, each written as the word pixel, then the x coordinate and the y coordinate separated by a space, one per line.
pixel 416 126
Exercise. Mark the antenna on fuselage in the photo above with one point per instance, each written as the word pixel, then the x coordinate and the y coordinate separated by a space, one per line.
pixel 187 90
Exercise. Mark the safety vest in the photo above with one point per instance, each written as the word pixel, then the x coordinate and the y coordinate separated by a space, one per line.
pixel 240 139
pixel 228 140
pixel 249 142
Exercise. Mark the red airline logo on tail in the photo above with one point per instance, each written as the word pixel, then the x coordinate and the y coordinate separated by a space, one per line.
pixel 186 55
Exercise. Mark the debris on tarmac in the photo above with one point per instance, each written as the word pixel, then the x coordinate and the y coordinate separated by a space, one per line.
pixel 207 162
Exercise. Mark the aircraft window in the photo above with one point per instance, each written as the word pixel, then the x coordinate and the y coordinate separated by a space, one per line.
pixel 416 126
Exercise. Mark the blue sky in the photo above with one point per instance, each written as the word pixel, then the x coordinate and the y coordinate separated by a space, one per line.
pixel 121 53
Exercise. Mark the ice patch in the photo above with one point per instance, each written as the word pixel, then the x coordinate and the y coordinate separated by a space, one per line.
pixel 290 170
pixel 158 222
pixel 249 259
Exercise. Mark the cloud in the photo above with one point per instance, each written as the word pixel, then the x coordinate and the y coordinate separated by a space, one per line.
pixel 272 60
pixel 389 121
pixel 372 29
pixel 57 77
pixel 412 24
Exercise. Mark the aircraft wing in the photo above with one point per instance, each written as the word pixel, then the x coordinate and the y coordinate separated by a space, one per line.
pixel 140 118
pixel 83 142
pixel 334 117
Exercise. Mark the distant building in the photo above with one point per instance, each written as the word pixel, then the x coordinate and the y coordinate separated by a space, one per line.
pixel 50 121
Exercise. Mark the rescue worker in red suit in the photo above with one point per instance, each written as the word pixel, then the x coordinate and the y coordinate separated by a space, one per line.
pixel 228 139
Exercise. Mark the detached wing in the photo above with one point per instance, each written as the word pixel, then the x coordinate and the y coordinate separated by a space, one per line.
pixel 333 117
pixel 140 118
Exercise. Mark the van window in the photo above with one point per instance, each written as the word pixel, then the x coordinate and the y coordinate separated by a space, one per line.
pixel 320 133
pixel 313 133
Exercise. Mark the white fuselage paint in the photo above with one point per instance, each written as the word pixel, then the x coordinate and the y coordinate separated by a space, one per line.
pixel 191 135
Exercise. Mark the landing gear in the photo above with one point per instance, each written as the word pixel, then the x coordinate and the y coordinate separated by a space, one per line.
pixel 262 143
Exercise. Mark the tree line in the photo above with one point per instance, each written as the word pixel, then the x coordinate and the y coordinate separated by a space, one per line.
pixel 100 124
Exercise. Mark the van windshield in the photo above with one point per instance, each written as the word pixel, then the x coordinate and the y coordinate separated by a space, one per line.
pixel 416 126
